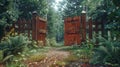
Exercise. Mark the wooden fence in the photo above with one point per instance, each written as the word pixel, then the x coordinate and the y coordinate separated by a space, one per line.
pixel 35 28
pixel 23 26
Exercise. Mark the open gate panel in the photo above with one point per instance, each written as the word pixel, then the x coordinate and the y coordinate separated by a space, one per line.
pixel 72 33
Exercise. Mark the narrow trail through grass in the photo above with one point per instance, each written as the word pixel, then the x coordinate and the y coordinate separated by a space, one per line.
pixel 52 58
pixel 58 57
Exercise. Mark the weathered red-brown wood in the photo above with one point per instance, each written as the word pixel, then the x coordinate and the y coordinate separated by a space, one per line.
pixel 37 25
pixel 72 31
pixel 83 21
pixel 78 25
pixel 39 29
pixel 33 28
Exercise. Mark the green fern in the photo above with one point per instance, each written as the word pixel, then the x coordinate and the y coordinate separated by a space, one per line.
pixel 107 53
pixel 11 45
pixel 7 57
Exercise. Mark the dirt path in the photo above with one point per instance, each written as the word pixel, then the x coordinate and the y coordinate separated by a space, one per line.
pixel 52 56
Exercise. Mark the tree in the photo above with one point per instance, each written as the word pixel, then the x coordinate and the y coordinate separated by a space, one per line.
pixel 51 20
pixel 72 8
pixel 107 11
pixel 55 22
pixel 59 25
pixel 8 14
pixel 26 7
pixel 116 2
pixel 11 10
pixel 113 19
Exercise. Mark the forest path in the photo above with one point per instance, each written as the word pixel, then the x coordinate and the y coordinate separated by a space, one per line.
pixel 52 56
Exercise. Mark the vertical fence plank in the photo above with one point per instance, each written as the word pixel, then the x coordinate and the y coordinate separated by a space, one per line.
pixel 33 27
pixel 96 27
pixel 24 26
pixel 102 26
pixel 28 27
pixel 83 20
pixel 19 26
pixel 14 28
pixel 90 28
pixel 96 31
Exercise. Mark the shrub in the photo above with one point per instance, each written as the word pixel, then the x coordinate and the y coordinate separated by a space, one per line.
pixel 107 53
pixel 51 42
pixel 11 45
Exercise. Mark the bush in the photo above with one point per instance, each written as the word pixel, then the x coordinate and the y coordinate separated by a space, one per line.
pixel 107 53
pixel 11 45
pixel 51 42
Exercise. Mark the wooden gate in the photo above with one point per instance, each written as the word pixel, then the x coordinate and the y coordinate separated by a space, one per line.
pixel 35 28
pixel 39 28
pixel 72 30
pixel 75 30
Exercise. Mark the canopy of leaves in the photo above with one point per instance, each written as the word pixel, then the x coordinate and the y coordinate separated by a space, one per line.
pixel 107 11
pixel 71 8
pixel 11 10
pixel 26 7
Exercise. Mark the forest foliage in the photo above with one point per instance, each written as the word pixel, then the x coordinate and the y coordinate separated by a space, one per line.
pixel 107 11
pixel 100 10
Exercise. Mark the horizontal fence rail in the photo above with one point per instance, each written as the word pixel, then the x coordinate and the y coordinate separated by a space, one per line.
pixel 35 28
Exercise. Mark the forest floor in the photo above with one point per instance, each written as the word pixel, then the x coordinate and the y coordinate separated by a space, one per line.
pixel 52 57
pixel 57 57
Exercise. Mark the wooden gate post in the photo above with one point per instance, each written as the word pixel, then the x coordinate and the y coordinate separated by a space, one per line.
pixel 34 34
pixel 83 21
pixel 39 29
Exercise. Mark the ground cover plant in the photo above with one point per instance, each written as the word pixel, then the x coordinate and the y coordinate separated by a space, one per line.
pixel 107 53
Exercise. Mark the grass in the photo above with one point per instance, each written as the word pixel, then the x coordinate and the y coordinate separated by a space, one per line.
pixel 28 55
pixel 1 55
pixel 36 58
pixel 59 64
pixel 17 64
pixel 36 55
pixel 69 48
pixel 71 58
pixel 78 54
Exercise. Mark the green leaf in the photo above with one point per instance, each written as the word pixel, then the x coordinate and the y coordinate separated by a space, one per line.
pixel 7 58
